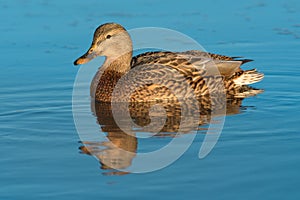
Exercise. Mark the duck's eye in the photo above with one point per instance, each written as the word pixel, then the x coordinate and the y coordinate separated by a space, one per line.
pixel 108 36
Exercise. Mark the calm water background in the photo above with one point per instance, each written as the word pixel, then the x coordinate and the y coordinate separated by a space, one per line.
pixel 257 156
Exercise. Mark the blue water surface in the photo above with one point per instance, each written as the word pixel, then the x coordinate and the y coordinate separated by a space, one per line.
pixel 257 155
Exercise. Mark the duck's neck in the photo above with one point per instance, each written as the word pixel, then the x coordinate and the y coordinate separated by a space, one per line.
pixel 108 76
pixel 120 64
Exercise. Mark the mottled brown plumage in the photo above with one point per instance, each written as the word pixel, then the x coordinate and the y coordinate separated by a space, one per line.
pixel 157 76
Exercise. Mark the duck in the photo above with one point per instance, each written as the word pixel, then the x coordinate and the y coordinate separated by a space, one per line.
pixel 162 75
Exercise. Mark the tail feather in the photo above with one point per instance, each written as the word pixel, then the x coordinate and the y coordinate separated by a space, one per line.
pixel 246 60
pixel 248 77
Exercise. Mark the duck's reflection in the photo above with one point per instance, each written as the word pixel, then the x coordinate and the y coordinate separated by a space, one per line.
pixel 120 149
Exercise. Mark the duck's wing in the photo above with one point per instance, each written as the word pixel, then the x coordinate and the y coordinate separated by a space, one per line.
pixel 192 60
pixel 174 68
pixel 226 65
pixel 201 70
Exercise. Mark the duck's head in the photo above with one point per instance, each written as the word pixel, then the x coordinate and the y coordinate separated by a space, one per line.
pixel 110 40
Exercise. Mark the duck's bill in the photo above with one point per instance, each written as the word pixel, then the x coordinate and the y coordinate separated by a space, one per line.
pixel 84 59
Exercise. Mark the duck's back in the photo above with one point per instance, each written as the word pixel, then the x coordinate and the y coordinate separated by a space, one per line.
pixel 200 69
pixel 198 60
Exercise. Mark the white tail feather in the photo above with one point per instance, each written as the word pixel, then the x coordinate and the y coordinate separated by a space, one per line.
pixel 248 77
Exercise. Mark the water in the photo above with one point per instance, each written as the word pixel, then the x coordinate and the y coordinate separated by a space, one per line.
pixel 257 155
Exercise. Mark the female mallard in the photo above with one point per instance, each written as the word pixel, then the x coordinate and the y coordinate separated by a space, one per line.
pixel 171 69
